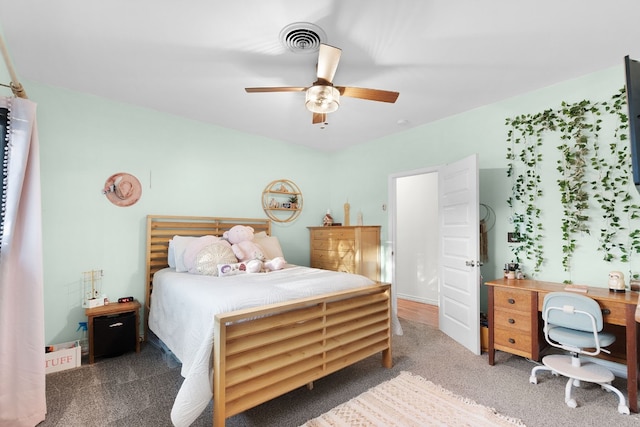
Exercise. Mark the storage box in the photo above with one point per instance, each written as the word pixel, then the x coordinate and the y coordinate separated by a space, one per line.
pixel 484 338
pixel 63 356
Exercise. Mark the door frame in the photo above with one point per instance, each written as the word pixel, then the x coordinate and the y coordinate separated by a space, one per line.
pixel 393 215
pixel 393 231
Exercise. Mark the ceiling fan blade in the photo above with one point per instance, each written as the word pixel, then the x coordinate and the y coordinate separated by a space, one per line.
pixel 275 89
pixel 319 118
pixel 328 59
pixel 369 94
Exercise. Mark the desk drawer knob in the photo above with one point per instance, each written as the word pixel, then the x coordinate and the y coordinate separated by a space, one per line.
pixel 512 341
pixel 512 321
pixel 511 301
pixel 606 311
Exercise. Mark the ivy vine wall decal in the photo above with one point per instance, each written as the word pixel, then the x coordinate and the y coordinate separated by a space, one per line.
pixel 593 181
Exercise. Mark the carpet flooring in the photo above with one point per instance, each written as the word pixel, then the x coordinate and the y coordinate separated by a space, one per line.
pixel 137 390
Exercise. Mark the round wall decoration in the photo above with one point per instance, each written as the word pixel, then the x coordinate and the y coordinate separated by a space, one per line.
pixel 122 189
pixel 282 200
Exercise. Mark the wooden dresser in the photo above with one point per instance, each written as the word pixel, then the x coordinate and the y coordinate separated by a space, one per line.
pixel 351 249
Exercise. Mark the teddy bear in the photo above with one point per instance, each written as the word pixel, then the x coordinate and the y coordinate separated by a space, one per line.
pixel 241 239
pixel 274 264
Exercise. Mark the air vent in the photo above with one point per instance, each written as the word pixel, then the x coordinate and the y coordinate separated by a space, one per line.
pixel 302 37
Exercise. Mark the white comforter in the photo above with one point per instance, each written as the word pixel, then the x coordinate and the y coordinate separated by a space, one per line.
pixel 183 307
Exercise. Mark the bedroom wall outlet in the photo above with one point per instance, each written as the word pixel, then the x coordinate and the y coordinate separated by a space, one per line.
pixel 513 237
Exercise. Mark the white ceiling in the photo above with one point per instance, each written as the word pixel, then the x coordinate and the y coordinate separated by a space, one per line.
pixel 193 58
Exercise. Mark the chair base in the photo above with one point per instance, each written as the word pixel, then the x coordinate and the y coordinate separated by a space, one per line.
pixel 589 372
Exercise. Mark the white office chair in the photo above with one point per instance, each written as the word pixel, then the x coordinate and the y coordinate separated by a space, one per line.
pixel 573 322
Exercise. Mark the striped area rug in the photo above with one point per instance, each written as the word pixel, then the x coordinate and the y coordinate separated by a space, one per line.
pixel 407 401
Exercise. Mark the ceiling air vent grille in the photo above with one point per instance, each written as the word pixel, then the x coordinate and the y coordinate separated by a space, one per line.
pixel 302 37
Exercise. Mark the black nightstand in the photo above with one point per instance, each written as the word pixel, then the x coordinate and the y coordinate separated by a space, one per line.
pixel 113 329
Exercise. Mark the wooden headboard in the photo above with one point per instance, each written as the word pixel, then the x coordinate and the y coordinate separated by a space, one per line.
pixel 162 228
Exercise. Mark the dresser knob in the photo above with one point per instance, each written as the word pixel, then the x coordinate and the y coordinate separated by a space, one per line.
pixel 511 301
pixel 512 341
pixel 512 321
pixel 606 311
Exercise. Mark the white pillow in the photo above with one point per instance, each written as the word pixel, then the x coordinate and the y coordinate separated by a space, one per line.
pixel 180 244
pixel 208 259
pixel 171 255
pixel 270 246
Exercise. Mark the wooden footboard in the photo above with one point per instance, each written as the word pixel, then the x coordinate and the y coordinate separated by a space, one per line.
pixel 263 353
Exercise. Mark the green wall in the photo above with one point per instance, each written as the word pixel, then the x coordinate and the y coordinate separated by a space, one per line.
pixel 483 131
pixel 191 168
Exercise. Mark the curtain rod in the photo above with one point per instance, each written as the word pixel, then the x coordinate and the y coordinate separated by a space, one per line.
pixel 15 85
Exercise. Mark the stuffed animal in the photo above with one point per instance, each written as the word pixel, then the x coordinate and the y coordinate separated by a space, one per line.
pixel 241 239
pixel 274 264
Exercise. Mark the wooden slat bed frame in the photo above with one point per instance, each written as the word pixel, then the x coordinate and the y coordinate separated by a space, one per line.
pixel 264 352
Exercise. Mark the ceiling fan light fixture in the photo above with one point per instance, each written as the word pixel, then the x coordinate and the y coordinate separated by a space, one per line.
pixel 322 99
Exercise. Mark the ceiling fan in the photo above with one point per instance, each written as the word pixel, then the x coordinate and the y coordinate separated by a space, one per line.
pixel 322 97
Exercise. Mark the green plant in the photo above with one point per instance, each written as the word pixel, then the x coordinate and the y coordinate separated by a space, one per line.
pixel 523 152
pixel 575 132
pixel 293 199
pixel 591 181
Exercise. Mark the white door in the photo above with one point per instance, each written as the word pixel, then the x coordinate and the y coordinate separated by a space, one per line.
pixel 459 311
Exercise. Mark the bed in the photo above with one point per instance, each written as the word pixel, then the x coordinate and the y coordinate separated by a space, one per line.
pixel 245 356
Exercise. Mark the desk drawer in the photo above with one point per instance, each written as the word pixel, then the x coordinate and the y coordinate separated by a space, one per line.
pixel 513 299
pixel 613 312
pixel 507 319
pixel 513 341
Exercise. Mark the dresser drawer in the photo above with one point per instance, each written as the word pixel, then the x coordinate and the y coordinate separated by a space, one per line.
pixel 333 264
pixel 325 257
pixel 512 341
pixel 508 319
pixel 334 245
pixel 513 299
pixel 333 233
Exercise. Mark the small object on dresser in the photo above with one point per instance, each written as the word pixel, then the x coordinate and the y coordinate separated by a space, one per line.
pixel 347 214
pixel 577 288
pixel 328 219
pixel 125 299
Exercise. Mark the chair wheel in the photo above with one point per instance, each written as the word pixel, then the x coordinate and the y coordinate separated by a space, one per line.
pixel 533 379
pixel 571 403
pixel 623 409
pixel 555 374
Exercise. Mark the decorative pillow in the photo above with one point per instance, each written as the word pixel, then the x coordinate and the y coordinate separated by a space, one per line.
pixel 195 246
pixel 208 258
pixel 270 246
pixel 180 244
pixel 232 269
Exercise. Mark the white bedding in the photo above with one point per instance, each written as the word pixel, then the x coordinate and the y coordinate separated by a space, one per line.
pixel 183 307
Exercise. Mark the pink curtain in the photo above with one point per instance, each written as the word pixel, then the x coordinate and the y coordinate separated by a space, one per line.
pixel 22 375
